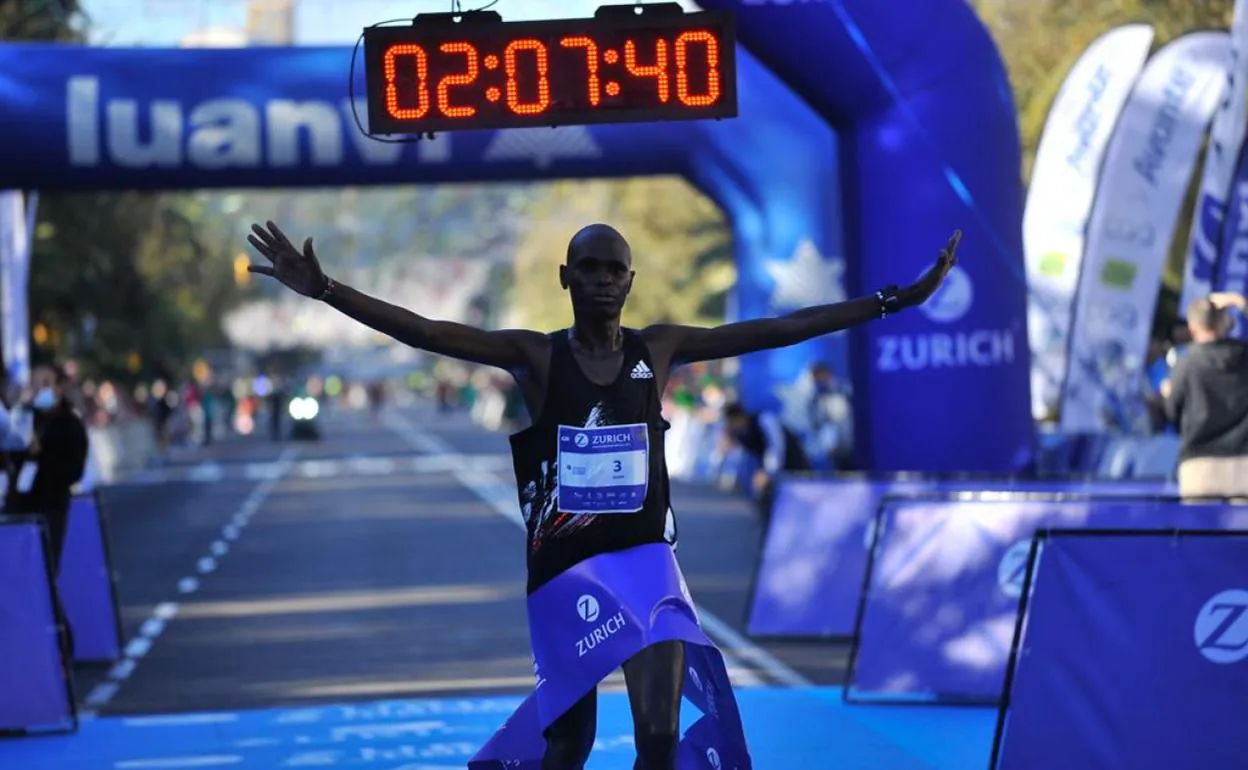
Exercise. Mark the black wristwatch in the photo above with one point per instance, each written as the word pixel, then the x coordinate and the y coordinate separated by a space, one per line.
pixel 888 301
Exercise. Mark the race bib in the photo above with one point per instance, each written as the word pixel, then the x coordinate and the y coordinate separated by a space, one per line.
pixel 603 469
pixel 26 476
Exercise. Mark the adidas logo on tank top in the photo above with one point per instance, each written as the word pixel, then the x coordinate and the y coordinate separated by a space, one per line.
pixel 642 372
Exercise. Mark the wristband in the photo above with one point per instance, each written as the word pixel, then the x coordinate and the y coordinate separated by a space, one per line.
pixel 888 301
pixel 328 291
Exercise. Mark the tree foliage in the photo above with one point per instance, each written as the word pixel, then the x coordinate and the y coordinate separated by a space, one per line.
pixel 682 250
pixel 119 275
pixel 121 279
pixel 42 20
pixel 1040 41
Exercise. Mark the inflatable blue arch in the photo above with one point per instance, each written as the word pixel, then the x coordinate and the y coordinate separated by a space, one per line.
pixel 926 141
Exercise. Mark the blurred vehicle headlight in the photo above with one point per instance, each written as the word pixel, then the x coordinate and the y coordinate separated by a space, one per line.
pixel 304 408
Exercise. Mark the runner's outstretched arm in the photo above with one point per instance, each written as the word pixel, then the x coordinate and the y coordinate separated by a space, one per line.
pixel 301 272
pixel 687 344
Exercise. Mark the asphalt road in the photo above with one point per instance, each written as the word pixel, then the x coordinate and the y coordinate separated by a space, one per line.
pixel 384 561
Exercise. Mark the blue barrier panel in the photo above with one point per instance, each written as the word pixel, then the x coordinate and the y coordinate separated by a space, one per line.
pixel 35 691
pixel 944 582
pixel 1134 654
pixel 88 593
pixel 808 580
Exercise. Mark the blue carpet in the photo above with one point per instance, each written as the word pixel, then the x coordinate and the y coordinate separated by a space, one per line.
pixel 786 728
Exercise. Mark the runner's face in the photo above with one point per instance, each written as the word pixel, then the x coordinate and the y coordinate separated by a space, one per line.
pixel 598 279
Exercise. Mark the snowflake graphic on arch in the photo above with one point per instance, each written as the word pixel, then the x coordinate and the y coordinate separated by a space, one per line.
pixel 542 146
pixel 806 279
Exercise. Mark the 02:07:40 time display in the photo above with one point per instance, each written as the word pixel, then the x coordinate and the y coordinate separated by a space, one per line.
pixel 659 74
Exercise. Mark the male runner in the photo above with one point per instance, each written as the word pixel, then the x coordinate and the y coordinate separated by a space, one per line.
pixel 593 374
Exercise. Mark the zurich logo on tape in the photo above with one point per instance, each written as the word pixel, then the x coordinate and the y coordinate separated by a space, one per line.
pixel 1013 569
pixel 952 300
pixel 693 677
pixel 587 608
pixel 1221 629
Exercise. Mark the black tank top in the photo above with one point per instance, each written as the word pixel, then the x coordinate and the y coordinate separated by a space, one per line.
pixel 590 471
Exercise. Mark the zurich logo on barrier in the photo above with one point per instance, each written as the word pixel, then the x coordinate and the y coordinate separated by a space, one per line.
pixel 952 300
pixel 955 348
pixel 1221 629
pixel 587 608
pixel 1013 569
pixel 581 440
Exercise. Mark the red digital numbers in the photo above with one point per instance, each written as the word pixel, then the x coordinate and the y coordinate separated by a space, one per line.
pixel 591 64
pixel 658 70
pixel 541 58
pixel 466 78
pixel 390 68
pixel 711 45
pixel 525 61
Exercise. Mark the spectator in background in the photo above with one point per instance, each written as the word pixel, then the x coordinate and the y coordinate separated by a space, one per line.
pixel 1158 364
pixel 161 413
pixel 277 405
pixel 770 443
pixel 831 420
pixel 42 474
pixel 208 403
pixel 229 406
pixel 1206 397
pixel 376 399
pixel 10 433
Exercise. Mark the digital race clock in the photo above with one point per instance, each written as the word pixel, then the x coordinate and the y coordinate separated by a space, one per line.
pixel 474 71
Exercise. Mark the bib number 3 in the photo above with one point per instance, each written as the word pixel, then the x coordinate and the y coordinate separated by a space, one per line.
pixel 603 470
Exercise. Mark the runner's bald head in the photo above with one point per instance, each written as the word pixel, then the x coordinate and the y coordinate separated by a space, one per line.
pixel 598 274
pixel 599 241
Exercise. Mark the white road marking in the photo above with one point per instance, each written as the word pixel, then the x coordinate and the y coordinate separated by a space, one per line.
pixel 353 466
pixel 152 628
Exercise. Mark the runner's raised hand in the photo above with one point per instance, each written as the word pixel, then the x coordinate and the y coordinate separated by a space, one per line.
pixel 921 290
pixel 298 270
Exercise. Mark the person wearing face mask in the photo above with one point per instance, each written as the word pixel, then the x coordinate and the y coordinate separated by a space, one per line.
pixel 42 474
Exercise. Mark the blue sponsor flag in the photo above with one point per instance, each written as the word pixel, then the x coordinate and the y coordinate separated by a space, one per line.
pixel 1231 271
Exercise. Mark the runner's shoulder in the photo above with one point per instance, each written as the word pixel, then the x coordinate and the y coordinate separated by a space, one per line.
pixel 534 346
pixel 527 340
pixel 662 339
